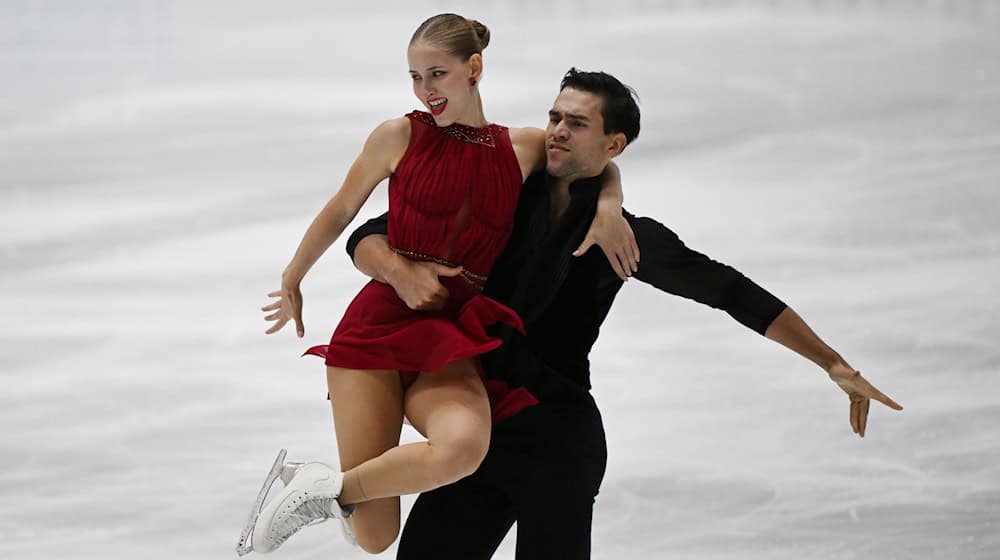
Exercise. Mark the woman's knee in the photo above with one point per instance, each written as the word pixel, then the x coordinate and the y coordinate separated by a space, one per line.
pixel 374 535
pixel 457 455
pixel 376 542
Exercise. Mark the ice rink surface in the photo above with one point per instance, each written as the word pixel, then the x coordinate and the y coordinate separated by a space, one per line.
pixel 160 160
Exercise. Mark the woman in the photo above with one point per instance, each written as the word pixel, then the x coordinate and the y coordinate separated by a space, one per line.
pixel 455 180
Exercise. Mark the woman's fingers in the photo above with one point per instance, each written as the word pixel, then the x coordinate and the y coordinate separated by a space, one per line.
pixel 277 326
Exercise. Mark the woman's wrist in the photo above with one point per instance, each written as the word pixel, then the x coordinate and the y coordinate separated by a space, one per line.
pixel 291 278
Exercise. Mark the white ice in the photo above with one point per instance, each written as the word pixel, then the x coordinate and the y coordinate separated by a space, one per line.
pixel 160 160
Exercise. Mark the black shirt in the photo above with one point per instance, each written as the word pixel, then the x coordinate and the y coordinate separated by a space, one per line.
pixel 564 299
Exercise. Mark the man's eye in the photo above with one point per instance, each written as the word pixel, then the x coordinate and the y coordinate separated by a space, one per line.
pixel 414 77
pixel 438 73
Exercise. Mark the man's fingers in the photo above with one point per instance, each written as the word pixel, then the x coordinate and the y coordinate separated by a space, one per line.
pixel 273 316
pixel 626 267
pixel 854 416
pixel 633 262
pixel 884 399
pixel 584 247
pixel 881 397
pixel 863 416
pixel 271 307
pixel 616 265
pixel 631 250
pixel 274 294
pixel 445 270
pixel 888 402
pixel 634 247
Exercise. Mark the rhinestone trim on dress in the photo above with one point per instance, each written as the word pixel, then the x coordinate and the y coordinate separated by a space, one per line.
pixel 465 133
pixel 475 280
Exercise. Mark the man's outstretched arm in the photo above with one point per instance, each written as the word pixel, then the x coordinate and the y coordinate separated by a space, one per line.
pixel 671 266
pixel 417 283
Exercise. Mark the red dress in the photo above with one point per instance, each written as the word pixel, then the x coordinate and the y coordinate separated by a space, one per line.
pixel 451 200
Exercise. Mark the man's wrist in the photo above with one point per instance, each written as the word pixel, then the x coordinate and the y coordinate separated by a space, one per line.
pixel 393 267
pixel 829 363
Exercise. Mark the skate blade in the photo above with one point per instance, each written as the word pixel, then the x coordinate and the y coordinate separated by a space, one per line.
pixel 245 545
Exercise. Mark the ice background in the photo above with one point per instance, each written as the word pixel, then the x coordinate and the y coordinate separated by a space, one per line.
pixel 159 161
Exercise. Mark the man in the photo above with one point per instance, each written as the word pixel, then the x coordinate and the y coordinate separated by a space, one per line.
pixel 546 462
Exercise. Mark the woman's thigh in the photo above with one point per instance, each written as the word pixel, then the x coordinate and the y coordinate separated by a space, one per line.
pixel 449 404
pixel 367 417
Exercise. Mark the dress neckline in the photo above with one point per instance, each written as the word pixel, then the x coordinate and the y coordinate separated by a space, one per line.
pixel 484 135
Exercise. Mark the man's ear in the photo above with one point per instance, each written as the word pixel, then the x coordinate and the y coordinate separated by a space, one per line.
pixel 618 142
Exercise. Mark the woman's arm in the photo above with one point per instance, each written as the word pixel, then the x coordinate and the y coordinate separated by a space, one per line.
pixel 382 151
pixel 529 147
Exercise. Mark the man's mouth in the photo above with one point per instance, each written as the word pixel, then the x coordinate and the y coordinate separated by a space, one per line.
pixel 557 148
pixel 437 105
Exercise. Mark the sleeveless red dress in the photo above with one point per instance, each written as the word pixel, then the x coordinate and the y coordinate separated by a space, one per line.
pixel 451 200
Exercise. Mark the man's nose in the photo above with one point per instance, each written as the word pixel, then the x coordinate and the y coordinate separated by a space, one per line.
pixel 560 132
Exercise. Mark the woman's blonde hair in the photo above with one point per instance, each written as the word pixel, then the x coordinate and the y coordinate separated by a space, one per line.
pixel 453 33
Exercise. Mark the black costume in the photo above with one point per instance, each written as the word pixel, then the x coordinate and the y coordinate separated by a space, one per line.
pixel 545 464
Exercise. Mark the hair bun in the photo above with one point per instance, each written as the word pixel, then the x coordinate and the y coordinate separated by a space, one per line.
pixel 482 32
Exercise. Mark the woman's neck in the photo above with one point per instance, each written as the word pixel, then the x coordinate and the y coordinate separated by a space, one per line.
pixel 475 116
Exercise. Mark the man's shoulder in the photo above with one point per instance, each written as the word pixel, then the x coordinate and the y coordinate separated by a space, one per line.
pixel 648 229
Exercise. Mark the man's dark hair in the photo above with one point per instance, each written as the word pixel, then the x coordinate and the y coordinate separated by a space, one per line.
pixel 620 111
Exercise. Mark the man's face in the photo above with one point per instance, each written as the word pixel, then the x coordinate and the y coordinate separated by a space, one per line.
pixel 575 142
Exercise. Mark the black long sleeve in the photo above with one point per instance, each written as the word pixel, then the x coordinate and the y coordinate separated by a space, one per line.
pixel 668 264
pixel 374 226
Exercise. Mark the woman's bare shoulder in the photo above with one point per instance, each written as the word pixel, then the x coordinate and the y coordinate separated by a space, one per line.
pixel 392 131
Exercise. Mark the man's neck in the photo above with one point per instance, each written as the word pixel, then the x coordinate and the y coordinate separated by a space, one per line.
pixel 559 194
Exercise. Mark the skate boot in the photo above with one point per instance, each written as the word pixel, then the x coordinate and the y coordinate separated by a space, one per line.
pixel 288 472
pixel 309 497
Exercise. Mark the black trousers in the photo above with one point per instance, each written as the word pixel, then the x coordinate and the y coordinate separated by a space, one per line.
pixel 543 470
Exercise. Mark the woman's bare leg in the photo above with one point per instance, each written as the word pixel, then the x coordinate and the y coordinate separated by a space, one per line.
pixel 367 416
pixel 451 408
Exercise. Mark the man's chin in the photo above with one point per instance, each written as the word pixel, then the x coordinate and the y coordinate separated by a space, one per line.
pixel 555 170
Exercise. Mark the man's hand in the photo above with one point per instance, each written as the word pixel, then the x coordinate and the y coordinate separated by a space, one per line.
pixel 418 283
pixel 288 307
pixel 860 392
pixel 610 230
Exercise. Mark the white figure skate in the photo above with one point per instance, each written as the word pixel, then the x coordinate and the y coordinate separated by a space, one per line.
pixel 309 497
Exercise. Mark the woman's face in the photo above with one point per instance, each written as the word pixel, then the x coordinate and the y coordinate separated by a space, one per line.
pixel 441 83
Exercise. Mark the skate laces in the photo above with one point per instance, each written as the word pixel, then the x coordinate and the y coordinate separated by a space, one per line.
pixel 307 510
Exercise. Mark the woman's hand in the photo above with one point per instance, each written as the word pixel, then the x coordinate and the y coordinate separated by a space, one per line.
pixel 860 392
pixel 287 308
pixel 611 231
